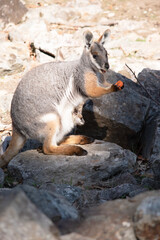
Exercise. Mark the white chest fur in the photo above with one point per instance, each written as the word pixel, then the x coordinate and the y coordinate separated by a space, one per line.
pixel 65 108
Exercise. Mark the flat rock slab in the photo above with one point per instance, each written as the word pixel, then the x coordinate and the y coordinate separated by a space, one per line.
pixel 103 161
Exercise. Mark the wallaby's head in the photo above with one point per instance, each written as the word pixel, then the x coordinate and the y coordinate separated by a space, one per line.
pixel 77 116
pixel 96 52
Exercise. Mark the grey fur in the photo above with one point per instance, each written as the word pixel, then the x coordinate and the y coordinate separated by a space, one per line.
pixel 42 89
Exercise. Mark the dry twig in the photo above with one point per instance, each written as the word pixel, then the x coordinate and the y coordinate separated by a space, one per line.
pixel 142 85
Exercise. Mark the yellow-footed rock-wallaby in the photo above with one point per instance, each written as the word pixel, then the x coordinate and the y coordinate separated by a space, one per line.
pixel 44 101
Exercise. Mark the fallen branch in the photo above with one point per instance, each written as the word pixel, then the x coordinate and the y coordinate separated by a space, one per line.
pixel 142 85
pixel 46 52
pixel 76 27
pixel 33 51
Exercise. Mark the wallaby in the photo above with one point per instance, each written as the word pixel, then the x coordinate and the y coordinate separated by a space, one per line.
pixel 44 101
pixel 77 115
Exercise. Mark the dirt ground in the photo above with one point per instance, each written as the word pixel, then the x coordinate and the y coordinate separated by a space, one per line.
pixel 148 10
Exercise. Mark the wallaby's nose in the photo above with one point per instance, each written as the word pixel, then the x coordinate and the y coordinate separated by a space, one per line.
pixel 107 65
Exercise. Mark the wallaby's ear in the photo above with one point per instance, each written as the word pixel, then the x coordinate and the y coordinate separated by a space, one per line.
pixel 103 39
pixel 88 38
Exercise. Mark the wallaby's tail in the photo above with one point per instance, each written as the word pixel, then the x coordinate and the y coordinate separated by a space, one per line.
pixel 16 143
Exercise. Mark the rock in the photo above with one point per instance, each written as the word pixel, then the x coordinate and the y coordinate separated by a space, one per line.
pixel 117 117
pixel 96 197
pixel 150 183
pixel 147 219
pixel 103 174
pixel 20 219
pixel 150 79
pixel 75 236
pixel 4 143
pixel 12 11
pixel 155 153
pixel 28 31
pixel 124 177
pixel 151 134
pixel 110 190
pixel 71 193
pixel 112 219
pixel 121 191
pixel 5 103
pixel 1 178
pixel 104 160
pixel 31 144
pixel 53 205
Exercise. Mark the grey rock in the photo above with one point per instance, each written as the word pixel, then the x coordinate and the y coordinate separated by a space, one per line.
pixel 150 183
pixel 150 79
pixel 124 177
pixel 121 191
pixel 137 191
pixel 155 156
pixel 147 219
pixel 82 198
pixel 156 169
pixel 118 117
pixel 53 205
pixel 149 141
pixel 4 144
pixel 96 197
pixel 31 144
pixel 12 11
pixel 1 178
pixel 104 160
pixel 114 219
pixel 11 69
pixel 120 186
pixel 20 219
pixel 5 103
pixel 75 236
pixel 71 193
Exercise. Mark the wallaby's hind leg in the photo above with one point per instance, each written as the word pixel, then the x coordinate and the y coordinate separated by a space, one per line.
pixel 16 143
pixel 50 147
pixel 77 139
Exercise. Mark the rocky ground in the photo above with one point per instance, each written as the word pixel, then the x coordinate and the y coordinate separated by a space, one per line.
pixel 57 197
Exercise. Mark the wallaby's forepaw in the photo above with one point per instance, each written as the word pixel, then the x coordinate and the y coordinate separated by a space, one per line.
pixel 119 85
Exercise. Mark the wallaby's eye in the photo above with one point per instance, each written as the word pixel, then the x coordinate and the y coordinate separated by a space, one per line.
pixel 94 56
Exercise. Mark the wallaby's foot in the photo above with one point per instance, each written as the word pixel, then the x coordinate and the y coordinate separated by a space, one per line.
pixel 77 139
pixel 80 151
pixel 119 85
pixel 64 150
